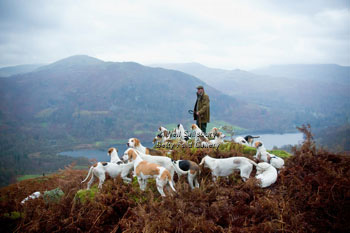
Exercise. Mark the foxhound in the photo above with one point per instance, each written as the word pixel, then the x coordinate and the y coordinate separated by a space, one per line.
pixel 199 135
pixel 189 168
pixel 247 140
pixel 32 196
pixel 226 166
pixel 100 169
pixel 163 161
pixel 181 133
pixel 219 139
pixel 241 140
pixel 145 170
pixel 113 153
pixel 266 173
pixel 262 154
pixel 136 144
pixel 213 132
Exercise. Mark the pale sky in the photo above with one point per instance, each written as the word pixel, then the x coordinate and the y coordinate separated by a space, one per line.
pixel 227 34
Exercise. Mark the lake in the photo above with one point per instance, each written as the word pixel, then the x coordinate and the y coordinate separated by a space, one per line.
pixel 99 155
pixel 269 140
pixel 279 140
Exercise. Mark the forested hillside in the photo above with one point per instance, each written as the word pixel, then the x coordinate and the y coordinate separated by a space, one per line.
pixel 316 94
pixel 83 100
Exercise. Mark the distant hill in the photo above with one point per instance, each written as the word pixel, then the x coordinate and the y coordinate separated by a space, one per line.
pixel 83 99
pixel 315 94
pixel 330 73
pixel 21 69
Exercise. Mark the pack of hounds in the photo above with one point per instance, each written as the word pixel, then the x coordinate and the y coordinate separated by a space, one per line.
pixel 145 163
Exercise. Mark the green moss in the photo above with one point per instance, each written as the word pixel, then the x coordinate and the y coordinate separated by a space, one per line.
pixel 54 195
pixel 13 215
pixel 249 150
pixel 280 153
pixel 83 194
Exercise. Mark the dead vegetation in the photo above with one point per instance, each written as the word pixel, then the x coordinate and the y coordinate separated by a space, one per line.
pixel 311 195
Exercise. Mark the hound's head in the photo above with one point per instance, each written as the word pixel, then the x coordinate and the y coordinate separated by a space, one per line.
pixel 157 138
pixel 180 127
pixel 249 138
pixel 133 143
pixel 194 127
pixel 130 155
pixel 215 130
pixel 220 135
pixel 112 150
pixel 162 129
pixel 258 144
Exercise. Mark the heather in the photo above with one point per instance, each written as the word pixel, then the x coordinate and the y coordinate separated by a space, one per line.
pixel 311 195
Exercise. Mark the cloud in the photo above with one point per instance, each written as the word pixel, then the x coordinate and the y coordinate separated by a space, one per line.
pixel 226 34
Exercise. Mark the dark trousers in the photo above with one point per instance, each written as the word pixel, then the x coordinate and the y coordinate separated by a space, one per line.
pixel 202 126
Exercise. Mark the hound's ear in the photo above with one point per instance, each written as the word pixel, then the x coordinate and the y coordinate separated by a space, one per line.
pixel 110 150
pixel 166 134
pixel 131 155
pixel 137 142
pixel 258 144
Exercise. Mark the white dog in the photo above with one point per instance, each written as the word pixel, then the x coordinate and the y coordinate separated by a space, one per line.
pixel 241 140
pixel 247 140
pixel 219 139
pixel 189 168
pixel 32 196
pixel 266 173
pixel 113 153
pixel 136 144
pixel 262 154
pixel 199 135
pixel 226 166
pixel 181 133
pixel 100 169
pixel 145 170
pixel 161 160
pixel 213 132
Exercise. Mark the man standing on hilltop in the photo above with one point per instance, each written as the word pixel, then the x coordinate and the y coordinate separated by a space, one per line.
pixel 201 112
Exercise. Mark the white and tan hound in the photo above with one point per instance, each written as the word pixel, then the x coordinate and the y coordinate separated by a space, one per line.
pixel 113 153
pixel 145 170
pixel 136 144
pixel 199 136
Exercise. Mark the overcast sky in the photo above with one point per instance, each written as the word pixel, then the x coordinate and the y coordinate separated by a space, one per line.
pixel 226 34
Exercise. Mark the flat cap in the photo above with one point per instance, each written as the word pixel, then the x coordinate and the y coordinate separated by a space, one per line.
pixel 200 87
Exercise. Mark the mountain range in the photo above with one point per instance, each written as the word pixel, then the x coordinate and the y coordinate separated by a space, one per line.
pixel 318 94
pixel 81 99
pixel 84 99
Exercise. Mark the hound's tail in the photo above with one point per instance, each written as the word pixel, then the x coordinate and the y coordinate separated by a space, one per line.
pixel 88 174
pixel 252 162
pixel 202 162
